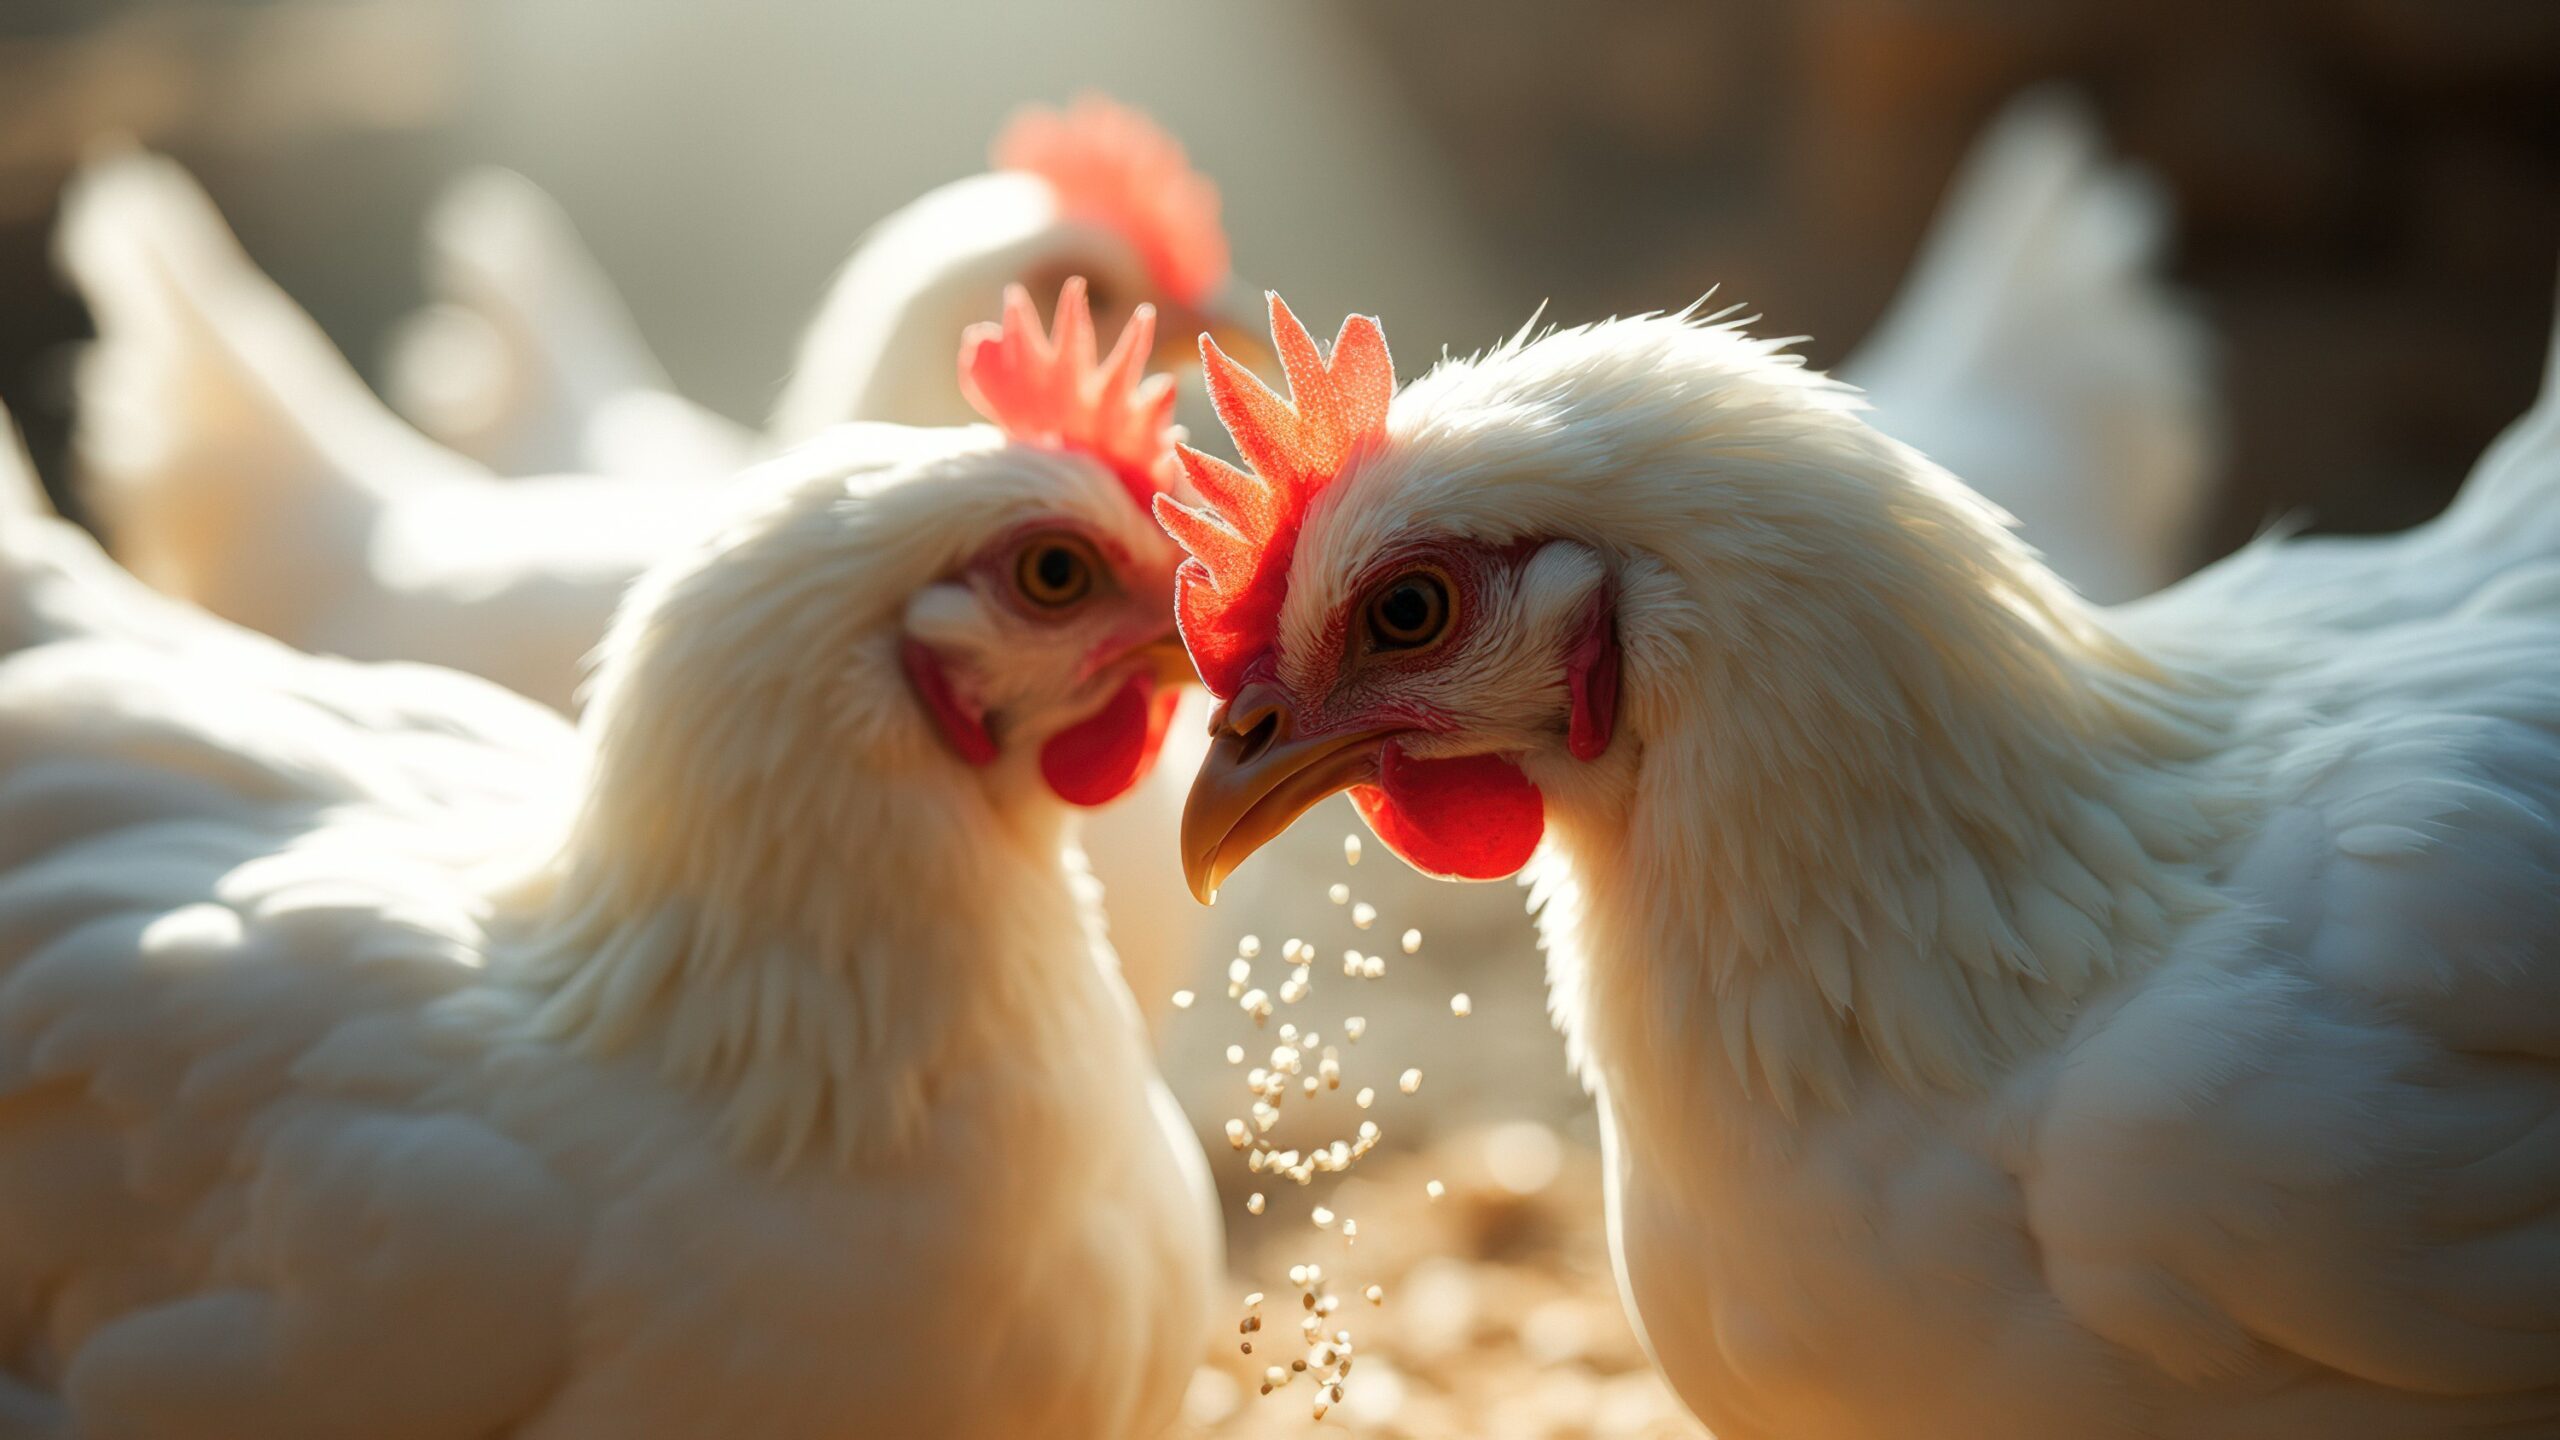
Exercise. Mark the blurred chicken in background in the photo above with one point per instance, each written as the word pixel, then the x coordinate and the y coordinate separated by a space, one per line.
pixel 530 363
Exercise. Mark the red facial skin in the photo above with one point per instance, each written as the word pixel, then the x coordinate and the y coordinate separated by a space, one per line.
pixel 1099 758
pixel 1473 817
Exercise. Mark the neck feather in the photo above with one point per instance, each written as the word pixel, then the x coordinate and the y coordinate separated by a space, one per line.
pixel 1899 806
pixel 778 889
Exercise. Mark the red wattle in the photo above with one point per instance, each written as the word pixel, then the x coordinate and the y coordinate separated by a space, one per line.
pixel 964 731
pixel 1097 759
pixel 1473 818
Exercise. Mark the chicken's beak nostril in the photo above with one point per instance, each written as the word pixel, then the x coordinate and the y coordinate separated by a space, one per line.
pixel 1258 740
pixel 1258 716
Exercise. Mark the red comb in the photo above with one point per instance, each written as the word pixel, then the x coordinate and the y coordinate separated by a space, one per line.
pixel 1227 595
pixel 1113 166
pixel 1049 390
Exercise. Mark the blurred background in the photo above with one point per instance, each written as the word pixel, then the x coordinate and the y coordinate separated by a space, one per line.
pixel 2367 191
pixel 2367 215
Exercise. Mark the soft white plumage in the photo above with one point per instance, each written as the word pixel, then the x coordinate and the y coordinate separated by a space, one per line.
pixel 379 1058
pixel 2009 1018
pixel 2035 350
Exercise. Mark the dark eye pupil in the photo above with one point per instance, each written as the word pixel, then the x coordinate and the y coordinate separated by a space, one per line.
pixel 1056 569
pixel 1406 609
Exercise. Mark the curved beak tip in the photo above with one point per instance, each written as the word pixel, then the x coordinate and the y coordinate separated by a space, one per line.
pixel 1249 792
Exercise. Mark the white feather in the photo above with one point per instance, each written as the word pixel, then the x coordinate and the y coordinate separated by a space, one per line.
pixel 528 361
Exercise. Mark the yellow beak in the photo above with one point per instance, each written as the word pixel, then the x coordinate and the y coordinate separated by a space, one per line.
pixel 1258 779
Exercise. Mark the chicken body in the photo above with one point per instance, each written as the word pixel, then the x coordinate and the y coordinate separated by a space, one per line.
pixel 379 1057
pixel 2009 1018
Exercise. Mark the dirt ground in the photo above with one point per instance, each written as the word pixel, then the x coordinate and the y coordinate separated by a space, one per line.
pixel 1499 1319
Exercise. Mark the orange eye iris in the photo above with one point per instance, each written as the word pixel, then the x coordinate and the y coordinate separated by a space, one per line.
pixel 1411 611
pixel 1054 571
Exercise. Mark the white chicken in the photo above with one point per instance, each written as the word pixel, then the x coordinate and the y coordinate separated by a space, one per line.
pixel 380 1058
pixel 529 361
pixel 2009 1018
pixel 234 459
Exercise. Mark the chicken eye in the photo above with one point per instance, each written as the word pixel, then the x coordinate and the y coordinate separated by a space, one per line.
pixel 1054 571
pixel 1410 611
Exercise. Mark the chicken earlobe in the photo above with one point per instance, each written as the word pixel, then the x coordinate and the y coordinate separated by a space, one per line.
pixel 1591 678
pixel 961 727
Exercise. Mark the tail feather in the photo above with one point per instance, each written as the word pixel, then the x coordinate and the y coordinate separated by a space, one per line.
pixel 2011 214
pixel 54 581
pixel 526 336
pixel 223 442
pixel 2522 466
pixel 21 493
pixel 528 353
pixel 2036 352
